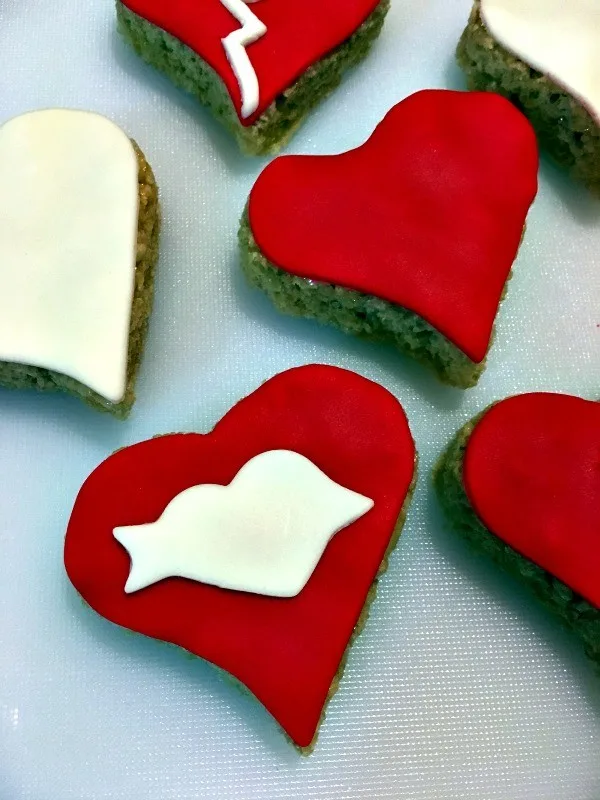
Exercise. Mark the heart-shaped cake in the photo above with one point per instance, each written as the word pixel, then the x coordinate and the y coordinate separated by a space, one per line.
pixel 410 237
pixel 78 245
pixel 260 67
pixel 256 546
pixel 522 481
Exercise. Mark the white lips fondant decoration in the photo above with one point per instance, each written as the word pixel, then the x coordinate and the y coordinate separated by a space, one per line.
pixel 560 38
pixel 263 533
pixel 68 233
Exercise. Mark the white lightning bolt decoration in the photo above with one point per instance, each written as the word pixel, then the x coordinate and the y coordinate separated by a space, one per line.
pixel 235 46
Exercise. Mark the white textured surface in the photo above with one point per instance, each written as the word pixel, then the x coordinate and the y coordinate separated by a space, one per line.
pixel 460 686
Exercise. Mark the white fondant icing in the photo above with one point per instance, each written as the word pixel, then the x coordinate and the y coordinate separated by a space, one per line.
pixel 263 533
pixel 68 233
pixel 235 46
pixel 560 38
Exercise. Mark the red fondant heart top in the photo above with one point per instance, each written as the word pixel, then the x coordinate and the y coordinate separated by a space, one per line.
pixel 298 35
pixel 427 214
pixel 532 474
pixel 286 651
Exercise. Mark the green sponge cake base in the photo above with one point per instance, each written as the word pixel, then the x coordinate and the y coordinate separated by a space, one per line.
pixel 279 122
pixel 357 313
pixel 23 376
pixel 575 612
pixel 565 128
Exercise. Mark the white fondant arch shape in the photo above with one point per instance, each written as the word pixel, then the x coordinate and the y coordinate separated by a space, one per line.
pixel 68 235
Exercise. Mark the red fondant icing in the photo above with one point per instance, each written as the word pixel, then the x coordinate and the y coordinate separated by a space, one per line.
pixel 286 651
pixel 427 214
pixel 298 35
pixel 532 474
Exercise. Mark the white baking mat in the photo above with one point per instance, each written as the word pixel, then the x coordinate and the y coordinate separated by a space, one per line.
pixel 461 686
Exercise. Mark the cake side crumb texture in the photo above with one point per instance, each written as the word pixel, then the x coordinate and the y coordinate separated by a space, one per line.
pixel 357 313
pixel 366 609
pixel 564 127
pixel 278 123
pixel 574 610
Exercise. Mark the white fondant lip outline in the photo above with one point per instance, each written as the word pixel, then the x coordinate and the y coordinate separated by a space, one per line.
pixel 264 533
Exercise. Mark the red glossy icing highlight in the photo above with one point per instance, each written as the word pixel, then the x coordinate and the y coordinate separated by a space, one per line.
pixel 298 35
pixel 427 214
pixel 286 651
pixel 532 474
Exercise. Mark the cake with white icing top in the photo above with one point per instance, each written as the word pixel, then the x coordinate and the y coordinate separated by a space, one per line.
pixel 78 244
pixel 544 56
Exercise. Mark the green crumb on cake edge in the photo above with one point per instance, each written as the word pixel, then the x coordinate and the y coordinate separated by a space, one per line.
pixel 273 129
pixel 358 628
pixel 357 313
pixel 564 127
pixel 23 376
pixel 575 612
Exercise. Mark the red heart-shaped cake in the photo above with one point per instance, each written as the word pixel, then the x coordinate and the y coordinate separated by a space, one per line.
pixel 298 35
pixel 532 475
pixel 427 215
pixel 285 650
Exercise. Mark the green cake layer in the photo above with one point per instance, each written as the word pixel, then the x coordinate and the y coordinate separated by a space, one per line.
pixel 575 612
pixel 357 313
pixel 279 122
pixel 23 376
pixel 564 127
